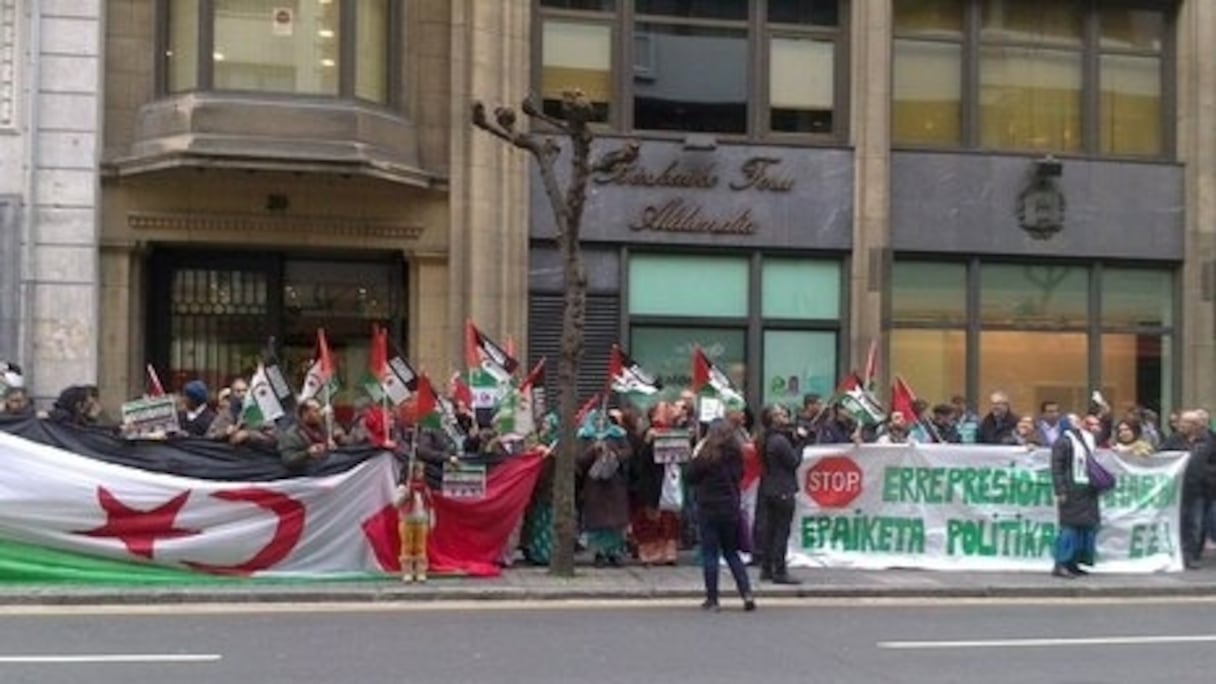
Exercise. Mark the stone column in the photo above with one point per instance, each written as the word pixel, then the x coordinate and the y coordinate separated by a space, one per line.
pixel 489 182
pixel 871 133
pixel 59 286
pixel 1197 151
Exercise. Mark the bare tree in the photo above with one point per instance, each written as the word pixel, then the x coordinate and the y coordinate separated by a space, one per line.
pixel 567 204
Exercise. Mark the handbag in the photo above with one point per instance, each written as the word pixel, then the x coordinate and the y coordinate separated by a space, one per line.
pixel 671 497
pixel 1101 479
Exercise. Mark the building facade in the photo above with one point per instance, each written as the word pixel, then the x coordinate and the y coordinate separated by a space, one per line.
pixel 1012 194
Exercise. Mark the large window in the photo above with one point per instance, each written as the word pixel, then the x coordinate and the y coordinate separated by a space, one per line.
pixel 1047 75
pixel 710 66
pixel 334 48
pixel 1037 331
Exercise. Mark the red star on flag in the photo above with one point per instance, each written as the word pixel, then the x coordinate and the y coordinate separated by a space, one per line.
pixel 139 530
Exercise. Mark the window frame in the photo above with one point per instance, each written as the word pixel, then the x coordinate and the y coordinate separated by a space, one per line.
pixel 623 20
pixel 1091 52
pixel 204 80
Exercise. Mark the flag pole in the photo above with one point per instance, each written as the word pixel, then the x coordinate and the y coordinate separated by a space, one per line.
pixel 329 414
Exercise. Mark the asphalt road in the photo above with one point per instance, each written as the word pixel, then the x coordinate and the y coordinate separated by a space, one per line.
pixel 854 642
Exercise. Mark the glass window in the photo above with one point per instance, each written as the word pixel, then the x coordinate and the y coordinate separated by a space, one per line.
pixel 1030 98
pixel 181 57
pixel 1130 28
pixel 281 46
pixel 927 292
pixel 1136 370
pixel 1015 363
pixel 687 285
pixel 929 18
pixel 1137 298
pixel 797 363
pixel 928 101
pixel 576 55
pixel 1014 294
pixel 1033 21
pixel 800 289
pixel 671 90
pixel 695 9
pixel 667 352
pixel 371 46
pixel 605 5
pixel 933 362
pixel 801 84
pixel 1131 105
pixel 816 12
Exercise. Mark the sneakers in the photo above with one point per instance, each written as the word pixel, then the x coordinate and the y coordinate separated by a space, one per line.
pixel 710 605
pixel 1062 572
pixel 749 604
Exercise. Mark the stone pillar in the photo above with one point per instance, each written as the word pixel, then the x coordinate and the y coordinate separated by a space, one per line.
pixel 488 256
pixel 871 133
pixel 1197 151
pixel 59 287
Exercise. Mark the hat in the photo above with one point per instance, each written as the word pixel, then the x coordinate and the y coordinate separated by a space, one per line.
pixel 196 391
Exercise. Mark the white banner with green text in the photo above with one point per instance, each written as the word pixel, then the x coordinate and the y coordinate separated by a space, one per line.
pixel 954 507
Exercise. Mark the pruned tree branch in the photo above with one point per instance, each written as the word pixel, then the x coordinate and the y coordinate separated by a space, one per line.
pixel 610 161
pixel 529 107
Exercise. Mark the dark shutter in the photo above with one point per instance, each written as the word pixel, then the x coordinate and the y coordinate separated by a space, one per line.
pixel 600 332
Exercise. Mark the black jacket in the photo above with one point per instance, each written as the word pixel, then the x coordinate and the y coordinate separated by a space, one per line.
pixel 781 463
pixel 201 423
pixel 1077 504
pixel 993 431
pixel 1200 476
pixel 715 480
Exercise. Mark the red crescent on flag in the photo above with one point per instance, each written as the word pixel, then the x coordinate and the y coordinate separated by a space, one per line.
pixel 290 528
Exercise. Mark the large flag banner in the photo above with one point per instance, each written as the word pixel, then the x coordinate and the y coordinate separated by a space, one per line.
pixel 481 351
pixel 951 507
pixel 320 380
pixel 628 377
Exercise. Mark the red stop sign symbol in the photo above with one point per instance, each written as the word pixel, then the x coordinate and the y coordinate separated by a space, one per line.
pixel 834 482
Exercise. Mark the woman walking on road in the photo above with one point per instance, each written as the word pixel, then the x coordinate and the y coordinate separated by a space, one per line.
pixel 715 474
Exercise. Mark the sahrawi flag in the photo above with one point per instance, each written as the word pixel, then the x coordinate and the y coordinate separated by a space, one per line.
pixel 320 379
pixel 394 376
pixel 627 377
pixel 68 517
pixel 481 351
pixel 261 405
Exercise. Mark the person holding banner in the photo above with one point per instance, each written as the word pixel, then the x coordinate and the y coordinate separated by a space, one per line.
pixel 17 403
pixel 778 487
pixel 716 474
pixel 1076 498
pixel 306 440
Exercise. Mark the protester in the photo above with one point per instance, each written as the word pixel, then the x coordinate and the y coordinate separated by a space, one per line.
pixel 778 487
pixel 227 426
pixel 1198 485
pixel 1049 423
pixel 1076 498
pixel 537 537
pixel 716 472
pixel 966 421
pixel 77 405
pixel 807 424
pixel 603 463
pixel 1129 440
pixel 839 428
pixel 1025 434
pixel 998 424
pixel 195 419
pixel 896 431
pixel 943 426
pixel 17 403
pixel 656 530
pixel 305 440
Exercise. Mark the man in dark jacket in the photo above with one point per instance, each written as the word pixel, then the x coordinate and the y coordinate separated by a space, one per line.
pixel 197 417
pixel 778 487
pixel 998 425
pixel 1076 499
pixel 1198 485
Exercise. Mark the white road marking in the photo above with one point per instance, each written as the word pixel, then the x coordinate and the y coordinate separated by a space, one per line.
pixel 1049 642
pixel 484 606
pixel 109 658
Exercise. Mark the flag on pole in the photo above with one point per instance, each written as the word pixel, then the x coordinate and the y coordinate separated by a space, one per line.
pixel 902 399
pixel 320 375
pixel 481 351
pixel 427 409
pixel 394 375
pixel 586 409
pixel 628 377
pixel 274 377
pixel 871 369
pixel 534 387
pixel 706 375
pixel 514 416
pixel 461 392
pixel 261 405
pixel 155 388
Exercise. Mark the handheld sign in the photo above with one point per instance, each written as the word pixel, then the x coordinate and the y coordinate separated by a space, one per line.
pixel 672 446
pixel 464 481
pixel 150 416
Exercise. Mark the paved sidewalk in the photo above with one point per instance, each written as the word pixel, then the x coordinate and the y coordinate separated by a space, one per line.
pixel 632 582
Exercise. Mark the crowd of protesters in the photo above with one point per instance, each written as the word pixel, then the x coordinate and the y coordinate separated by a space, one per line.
pixel 635 508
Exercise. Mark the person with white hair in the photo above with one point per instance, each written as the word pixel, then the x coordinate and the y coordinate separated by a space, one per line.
pixel 1076 497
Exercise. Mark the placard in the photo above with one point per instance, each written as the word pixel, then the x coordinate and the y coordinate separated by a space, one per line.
pixel 150 416
pixel 672 446
pixel 711 408
pixel 464 481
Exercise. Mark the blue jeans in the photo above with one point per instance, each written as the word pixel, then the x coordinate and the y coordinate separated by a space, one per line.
pixel 1197 516
pixel 720 538
pixel 1075 545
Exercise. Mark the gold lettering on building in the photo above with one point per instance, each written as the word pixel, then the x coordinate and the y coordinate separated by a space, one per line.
pixel 679 216
pixel 673 176
pixel 757 176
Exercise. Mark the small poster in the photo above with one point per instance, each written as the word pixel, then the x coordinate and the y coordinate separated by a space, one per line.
pixel 150 416
pixel 672 446
pixel 283 21
pixel 711 408
pixel 464 481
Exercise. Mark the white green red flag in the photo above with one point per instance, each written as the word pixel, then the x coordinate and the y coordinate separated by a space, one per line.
pixel 708 379
pixel 627 376
pixel 481 351
pixel 261 405
pixel 393 376
pixel 321 380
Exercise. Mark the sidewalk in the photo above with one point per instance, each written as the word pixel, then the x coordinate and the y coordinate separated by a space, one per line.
pixel 634 583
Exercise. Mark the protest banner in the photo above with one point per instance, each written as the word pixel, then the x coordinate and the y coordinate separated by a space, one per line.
pixel 961 507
